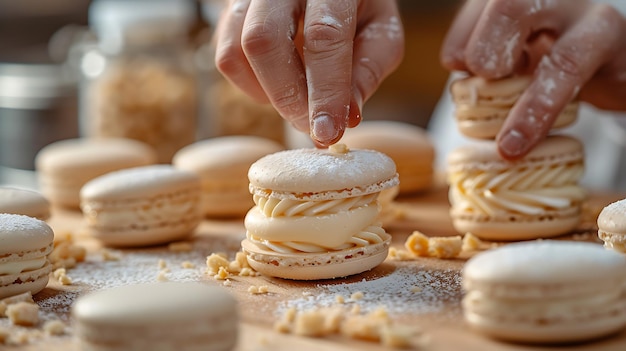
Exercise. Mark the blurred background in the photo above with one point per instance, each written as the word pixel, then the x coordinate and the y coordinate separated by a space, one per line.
pixel 40 89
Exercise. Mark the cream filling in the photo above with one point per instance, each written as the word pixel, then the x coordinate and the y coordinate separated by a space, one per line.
pixel 545 308
pixel 148 214
pixel 529 191
pixel 285 225
pixel 17 267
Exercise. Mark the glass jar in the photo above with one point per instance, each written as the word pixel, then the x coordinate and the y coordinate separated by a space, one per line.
pixel 138 79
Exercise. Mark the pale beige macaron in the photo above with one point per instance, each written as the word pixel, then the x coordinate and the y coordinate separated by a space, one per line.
pixel 408 145
pixel 157 316
pixel 142 206
pixel 612 226
pixel 25 243
pixel 481 105
pixel 547 291
pixel 24 201
pixel 222 163
pixel 65 166
pixel 316 212
pixel 538 196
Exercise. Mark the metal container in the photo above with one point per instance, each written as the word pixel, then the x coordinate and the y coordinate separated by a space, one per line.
pixel 38 105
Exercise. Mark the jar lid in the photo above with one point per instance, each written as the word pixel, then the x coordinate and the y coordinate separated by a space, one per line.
pixel 112 20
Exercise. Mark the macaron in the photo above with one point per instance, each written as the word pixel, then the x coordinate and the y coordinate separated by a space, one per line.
pixel 545 291
pixel 157 316
pixel 25 243
pixel 538 196
pixel 612 226
pixel 409 146
pixel 482 105
pixel 315 213
pixel 63 167
pixel 142 206
pixel 24 201
pixel 222 164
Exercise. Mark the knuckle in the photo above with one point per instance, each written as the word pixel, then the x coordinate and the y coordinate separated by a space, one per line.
pixel 259 38
pixel 322 37
pixel 289 101
pixel 563 60
pixel 227 59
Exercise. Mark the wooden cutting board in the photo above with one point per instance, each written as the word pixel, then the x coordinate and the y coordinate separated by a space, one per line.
pixel 424 292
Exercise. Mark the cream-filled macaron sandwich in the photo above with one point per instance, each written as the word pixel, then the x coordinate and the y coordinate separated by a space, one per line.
pixel 409 146
pixel 141 206
pixel 222 164
pixel 612 226
pixel 537 196
pixel 483 105
pixel 157 316
pixel 25 243
pixel 548 291
pixel 316 212
pixel 63 167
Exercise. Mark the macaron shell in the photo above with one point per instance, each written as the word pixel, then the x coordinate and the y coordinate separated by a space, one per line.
pixel 408 145
pixel 312 174
pixel 315 266
pixel 546 262
pixel 25 202
pixel 573 330
pixel 475 90
pixel 612 218
pixel 527 228
pixel 169 315
pixel 65 166
pixel 20 234
pixel 144 237
pixel 138 182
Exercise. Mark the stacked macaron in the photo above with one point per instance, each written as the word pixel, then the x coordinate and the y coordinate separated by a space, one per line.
pixel 612 226
pixel 24 201
pixel 316 212
pixel 537 196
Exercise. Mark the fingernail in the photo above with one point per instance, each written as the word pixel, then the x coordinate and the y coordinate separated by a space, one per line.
pixel 513 144
pixel 323 129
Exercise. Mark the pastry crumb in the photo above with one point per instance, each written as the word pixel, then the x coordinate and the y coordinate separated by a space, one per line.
pixel 445 247
pixel 180 246
pixel 309 323
pixel 221 274
pixel 162 276
pixel 400 255
pixel 416 289
pixel 54 327
pixel 216 261
pixel 4 335
pixel 23 297
pixel 471 243
pixel 61 276
pixel 108 255
pixel 227 282
pixel 66 254
pixel 357 296
pixel 23 313
pixel 399 337
pixel 255 290
pixel 340 299
pixel 188 265
pixel 417 244
pixel 339 148
pixel 162 264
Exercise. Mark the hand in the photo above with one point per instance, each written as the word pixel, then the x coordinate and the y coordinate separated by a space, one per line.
pixel 316 61
pixel 573 48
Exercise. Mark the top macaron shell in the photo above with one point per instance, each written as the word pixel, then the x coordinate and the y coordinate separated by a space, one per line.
pixel 484 155
pixel 138 182
pixel 409 146
pixel 23 201
pixel 224 156
pixel 545 262
pixel 19 233
pixel 319 174
pixel 612 218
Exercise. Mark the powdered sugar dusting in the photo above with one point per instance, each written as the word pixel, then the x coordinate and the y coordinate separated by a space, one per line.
pixel 407 289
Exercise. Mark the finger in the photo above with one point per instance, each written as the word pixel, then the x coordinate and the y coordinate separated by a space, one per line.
pixel 230 59
pixel 378 50
pixel 329 29
pixel 268 43
pixel 453 49
pixel 574 58
pixel 496 44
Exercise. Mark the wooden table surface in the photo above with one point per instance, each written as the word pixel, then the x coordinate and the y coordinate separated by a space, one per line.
pixel 434 307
